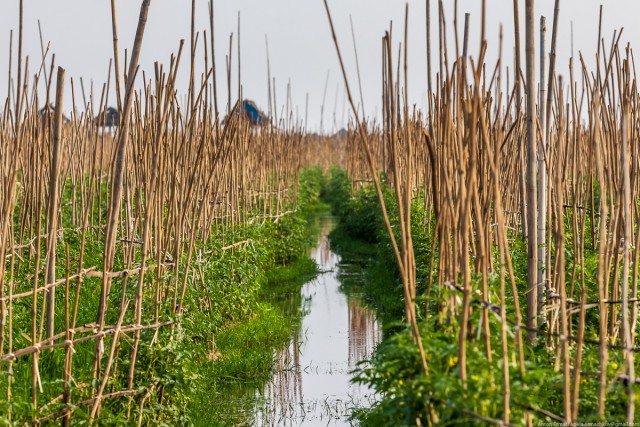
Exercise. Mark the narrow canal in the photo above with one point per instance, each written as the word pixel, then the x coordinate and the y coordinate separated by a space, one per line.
pixel 311 384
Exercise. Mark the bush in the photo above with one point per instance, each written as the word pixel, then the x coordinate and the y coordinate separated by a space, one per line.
pixel 358 216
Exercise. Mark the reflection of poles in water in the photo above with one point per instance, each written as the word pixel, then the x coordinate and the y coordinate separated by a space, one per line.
pixel 297 367
pixel 284 386
pixel 284 391
pixel 364 331
pixel 325 250
pixel 322 252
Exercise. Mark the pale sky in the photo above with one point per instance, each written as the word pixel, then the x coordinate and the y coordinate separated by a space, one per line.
pixel 300 43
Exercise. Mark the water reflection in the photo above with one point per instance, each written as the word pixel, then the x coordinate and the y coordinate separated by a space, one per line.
pixel 311 384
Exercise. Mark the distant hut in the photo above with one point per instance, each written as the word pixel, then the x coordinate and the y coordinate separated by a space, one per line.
pixel 47 112
pixel 342 134
pixel 109 118
pixel 253 114
pixel 250 112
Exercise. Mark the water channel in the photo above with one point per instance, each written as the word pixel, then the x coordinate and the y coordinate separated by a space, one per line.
pixel 311 384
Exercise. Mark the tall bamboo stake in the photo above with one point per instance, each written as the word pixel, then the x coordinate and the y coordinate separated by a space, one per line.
pixel 355 52
pixel 428 28
pixel 532 199
pixel 116 55
pixel 517 74
pixel 213 58
pixel 627 342
pixel 552 66
pixel 118 178
pixel 542 182
pixel 18 103
pixel 52 209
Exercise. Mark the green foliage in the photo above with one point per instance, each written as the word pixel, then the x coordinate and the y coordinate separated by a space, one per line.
pixel 311 183
pixel 337 192
pixel 358 216
pixel 177 369
pixel 404 392
pixel 246 349
pixel 288 238
pixel 297 272
pixel 244 352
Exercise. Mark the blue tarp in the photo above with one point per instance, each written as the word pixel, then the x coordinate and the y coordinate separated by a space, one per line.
pixel 253 113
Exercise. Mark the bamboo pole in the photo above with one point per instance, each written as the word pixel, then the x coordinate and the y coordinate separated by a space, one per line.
pixel 18 99
pixel 542 183
pixel 193 57
pixel 517 82
pixel 428 28
pixel 355 53
pixel 53 203
pixel 628 226
pixel 116 55
pixel 552 66
pixel 118 178
pixel 213 59
pixel 531 174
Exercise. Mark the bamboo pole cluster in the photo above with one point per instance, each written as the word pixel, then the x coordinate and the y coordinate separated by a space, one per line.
pixel 100 229
pixel 576 145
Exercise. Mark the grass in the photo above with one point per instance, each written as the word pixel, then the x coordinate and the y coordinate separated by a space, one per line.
pixel 241 365
pixel 241 368
pixel 244 357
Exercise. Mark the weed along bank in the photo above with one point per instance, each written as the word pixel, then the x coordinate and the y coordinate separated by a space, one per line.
pixel 203 223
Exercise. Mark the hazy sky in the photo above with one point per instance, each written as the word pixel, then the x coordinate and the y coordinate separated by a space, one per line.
pixel 300 43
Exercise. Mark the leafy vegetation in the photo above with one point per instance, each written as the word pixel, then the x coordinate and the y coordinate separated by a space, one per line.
pixel 405 393
pixel 231 322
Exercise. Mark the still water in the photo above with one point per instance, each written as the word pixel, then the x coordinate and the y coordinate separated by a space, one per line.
pixel 311 383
